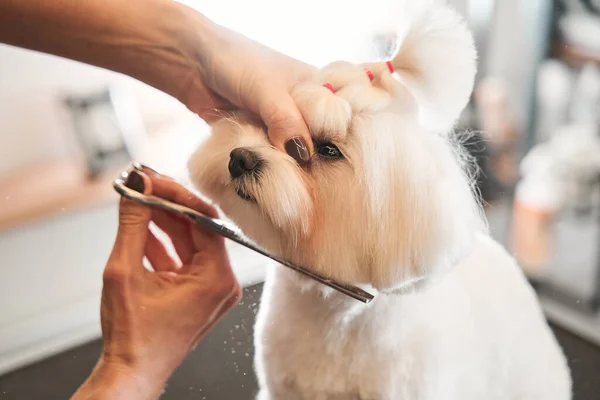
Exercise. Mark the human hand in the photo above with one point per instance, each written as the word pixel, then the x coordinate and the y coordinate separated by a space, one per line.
pixel 233 71
pixel 173 48
pixel 152 319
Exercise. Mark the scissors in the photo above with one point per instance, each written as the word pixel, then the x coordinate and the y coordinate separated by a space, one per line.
pixel 231 232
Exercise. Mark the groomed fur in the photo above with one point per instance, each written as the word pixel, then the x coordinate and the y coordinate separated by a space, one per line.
pixel 395 214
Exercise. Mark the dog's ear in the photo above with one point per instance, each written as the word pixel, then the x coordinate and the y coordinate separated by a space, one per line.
pixel 435 63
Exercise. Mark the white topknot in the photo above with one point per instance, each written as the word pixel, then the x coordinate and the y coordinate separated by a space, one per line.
pixel 432 79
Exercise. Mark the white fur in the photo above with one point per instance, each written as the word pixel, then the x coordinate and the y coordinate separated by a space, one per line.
pixel 454 318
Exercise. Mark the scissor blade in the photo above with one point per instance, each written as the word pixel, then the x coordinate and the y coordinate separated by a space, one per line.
pixel 226 230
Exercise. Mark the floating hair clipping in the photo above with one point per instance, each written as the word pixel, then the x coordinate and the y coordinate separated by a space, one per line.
pixel 328 86
pixel 369 73
pixel 390 66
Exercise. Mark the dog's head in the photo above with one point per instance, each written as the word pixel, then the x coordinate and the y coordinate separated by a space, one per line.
pixel 385 199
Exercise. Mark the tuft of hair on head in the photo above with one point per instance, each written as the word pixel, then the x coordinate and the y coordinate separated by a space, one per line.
pixel 334 93
pixel 436 62
pixel 322 109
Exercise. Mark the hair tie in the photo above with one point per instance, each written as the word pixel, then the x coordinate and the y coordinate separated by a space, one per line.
pixel 369 73
pixel 390 66
pixel 328 86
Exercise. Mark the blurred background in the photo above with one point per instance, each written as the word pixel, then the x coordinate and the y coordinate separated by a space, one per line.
pixel 68 129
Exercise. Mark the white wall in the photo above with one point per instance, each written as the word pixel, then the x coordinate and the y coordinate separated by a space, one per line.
pixel 34 124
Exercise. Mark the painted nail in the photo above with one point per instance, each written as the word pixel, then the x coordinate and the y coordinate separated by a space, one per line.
pixel 143 168
pixel 147 168
pixel 296 148
pixel 135 182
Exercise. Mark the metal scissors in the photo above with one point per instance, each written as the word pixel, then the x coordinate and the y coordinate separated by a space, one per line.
pixel 231 232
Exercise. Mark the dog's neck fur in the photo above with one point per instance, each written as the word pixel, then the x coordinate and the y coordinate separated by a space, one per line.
pixel 327 308
pixel 337 302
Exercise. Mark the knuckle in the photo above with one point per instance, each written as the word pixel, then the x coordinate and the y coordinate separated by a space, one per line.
pixel 114 277
pixel 238 293
pixel 207 208
pixel 228 287
pixel 281 119
pixel 129 216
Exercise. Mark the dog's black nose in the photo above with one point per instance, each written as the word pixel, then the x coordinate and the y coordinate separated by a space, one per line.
pixel 242 161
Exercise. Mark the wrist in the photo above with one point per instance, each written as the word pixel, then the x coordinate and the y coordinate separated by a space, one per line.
pixel 196 37
pixel 193 36
pixel 173 64
pixel 113 380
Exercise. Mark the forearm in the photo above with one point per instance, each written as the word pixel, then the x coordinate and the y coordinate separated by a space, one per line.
pixel 150 40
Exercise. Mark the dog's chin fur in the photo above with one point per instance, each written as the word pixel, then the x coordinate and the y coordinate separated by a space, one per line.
pixel 397 208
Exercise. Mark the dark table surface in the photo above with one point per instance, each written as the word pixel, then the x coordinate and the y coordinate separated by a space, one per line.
pixel 221 367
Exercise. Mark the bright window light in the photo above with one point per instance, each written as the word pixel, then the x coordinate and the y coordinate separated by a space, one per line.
pixel 313 31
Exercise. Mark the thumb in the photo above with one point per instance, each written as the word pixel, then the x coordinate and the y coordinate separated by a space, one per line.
pixel 286 127
pixel 133 222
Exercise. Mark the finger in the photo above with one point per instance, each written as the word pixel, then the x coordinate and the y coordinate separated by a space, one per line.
pixel 134 218
pixel 287 129
pixel 215 111
pixel 169 189
pixel 219 303
pixel 220 311
pixel 177 228
pixel 158 256
pixel 149 171
pixel 205 102
pixel 179 231
pixel 201 238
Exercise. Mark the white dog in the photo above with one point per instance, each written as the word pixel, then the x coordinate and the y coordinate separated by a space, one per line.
pixel 386 204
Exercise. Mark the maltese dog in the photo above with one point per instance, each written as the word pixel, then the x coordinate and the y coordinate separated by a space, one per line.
pixel 386 203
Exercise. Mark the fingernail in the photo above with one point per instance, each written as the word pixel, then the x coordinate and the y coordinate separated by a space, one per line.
pixel 147 168
pixel 143 168
pixel 296 148
pixel 135 182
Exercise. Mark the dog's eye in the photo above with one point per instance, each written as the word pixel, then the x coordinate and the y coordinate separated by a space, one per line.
pixel 329 150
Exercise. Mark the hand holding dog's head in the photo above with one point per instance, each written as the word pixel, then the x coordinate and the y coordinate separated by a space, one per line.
pixel 384 200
